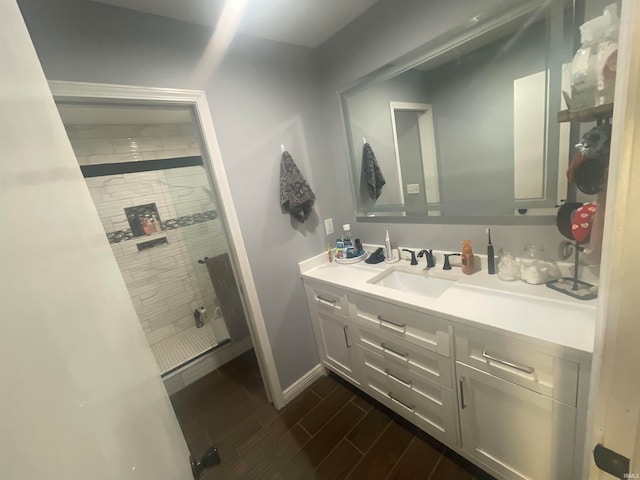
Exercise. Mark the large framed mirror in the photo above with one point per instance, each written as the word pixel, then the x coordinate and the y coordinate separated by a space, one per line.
pixel 464 129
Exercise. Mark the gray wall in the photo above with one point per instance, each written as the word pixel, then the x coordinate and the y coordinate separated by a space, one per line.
pixel 383 33
pixel 262 95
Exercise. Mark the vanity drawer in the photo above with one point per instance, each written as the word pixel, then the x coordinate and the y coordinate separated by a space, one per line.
pixel 424 403
pixel 404 357
pixel 326 299
pixel 518 362
pixel 415 327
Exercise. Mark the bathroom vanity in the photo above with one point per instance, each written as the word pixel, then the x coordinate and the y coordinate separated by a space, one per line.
pixel 496 371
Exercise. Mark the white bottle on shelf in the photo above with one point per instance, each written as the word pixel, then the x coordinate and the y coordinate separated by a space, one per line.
pixel 607 55
pixel 583 68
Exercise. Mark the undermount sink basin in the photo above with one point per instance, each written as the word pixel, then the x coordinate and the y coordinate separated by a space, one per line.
pixel 413 282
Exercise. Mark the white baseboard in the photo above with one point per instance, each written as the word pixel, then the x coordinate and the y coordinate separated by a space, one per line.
pixel 303 383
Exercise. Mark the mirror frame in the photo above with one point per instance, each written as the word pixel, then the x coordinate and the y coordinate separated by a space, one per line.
pixel 484 23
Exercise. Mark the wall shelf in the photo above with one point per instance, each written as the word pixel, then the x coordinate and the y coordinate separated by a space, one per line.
pixel 587 114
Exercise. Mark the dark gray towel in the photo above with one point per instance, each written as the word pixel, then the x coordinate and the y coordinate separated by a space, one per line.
pixel 296 197
pixel 224 284
pixel 371 175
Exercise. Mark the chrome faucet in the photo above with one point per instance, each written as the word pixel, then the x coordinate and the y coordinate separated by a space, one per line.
pixel 413 256
pixel 429 254
pixel 447 265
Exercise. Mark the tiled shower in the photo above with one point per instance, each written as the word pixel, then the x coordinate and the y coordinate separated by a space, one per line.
pixel 160 215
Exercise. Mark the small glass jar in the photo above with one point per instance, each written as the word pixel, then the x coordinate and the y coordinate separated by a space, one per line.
pixel 535 267
pixel 508 268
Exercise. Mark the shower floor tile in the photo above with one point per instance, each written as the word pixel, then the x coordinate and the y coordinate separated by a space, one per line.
pixel 184 346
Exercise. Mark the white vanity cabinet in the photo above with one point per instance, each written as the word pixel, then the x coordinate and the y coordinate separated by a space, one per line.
pixel 513 405
pixel 517 406
pixel 405 363
pixel 329 318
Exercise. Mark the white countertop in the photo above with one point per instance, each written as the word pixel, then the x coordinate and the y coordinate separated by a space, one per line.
pixel 481 300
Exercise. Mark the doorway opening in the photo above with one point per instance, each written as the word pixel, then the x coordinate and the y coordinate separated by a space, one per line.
pixel 152 166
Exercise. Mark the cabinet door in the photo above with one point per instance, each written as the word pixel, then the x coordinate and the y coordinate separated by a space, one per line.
pixel 336 347
pixel 517 432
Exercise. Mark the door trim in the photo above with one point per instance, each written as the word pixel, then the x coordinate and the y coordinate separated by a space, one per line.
pixel 196 99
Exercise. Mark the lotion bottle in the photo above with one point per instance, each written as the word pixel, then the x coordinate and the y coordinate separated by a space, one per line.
pixel 468 262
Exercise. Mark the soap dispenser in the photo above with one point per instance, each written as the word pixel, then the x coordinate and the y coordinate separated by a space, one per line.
pixel 468 262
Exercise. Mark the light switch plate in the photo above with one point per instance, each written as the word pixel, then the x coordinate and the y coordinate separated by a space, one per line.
pixel 328 226
pixel 413 188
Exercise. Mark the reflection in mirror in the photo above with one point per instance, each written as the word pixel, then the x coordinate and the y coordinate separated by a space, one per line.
pixel 465 128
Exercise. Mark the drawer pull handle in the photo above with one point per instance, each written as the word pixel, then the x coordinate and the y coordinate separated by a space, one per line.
pixel 407 383
pixel 384 347
pixel 327 300
pixel 410 407
pixel 401 326
pixel 462 404
pixel 522 368
pixel 346 339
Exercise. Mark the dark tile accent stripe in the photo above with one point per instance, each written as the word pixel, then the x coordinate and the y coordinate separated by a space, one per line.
pixel 171 224
pixel 104 169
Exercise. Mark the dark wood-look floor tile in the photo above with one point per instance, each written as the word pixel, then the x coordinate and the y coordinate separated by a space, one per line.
pixel 269 436
pixel 267 455
pixel 218 421
pixel 417 462
pixel 298 408
pixel 383 455
pixel 447 469
pixel 236 436
pixel 368 429
pixel 324 386
pixel 314 452
pixel 363 402
pixel 327 408
pixel 266 414
pixel 339 462
pixel 331 431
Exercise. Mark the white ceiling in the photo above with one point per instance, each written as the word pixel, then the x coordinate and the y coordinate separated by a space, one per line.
pixel 300 22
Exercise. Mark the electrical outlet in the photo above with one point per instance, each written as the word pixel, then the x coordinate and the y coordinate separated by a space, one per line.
pixel 413 188
pixel 328 225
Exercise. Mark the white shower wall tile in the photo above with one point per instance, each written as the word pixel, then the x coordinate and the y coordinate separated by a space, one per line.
pixel 100 131
pixel 177 142
pixel 159 130
pixel 165 283
pixel 173 153
pixel 98 144
pixel 92 147
pixel 160 334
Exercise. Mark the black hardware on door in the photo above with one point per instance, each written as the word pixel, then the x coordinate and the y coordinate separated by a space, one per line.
pixel 202 261
pixel 611 462
pixel 209 459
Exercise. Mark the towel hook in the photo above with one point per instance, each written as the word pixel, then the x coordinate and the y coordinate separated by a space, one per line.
pixel 364 141
pixel 282 149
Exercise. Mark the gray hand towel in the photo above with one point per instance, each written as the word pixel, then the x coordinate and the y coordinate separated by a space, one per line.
pixel 371 173
pixel 296 197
